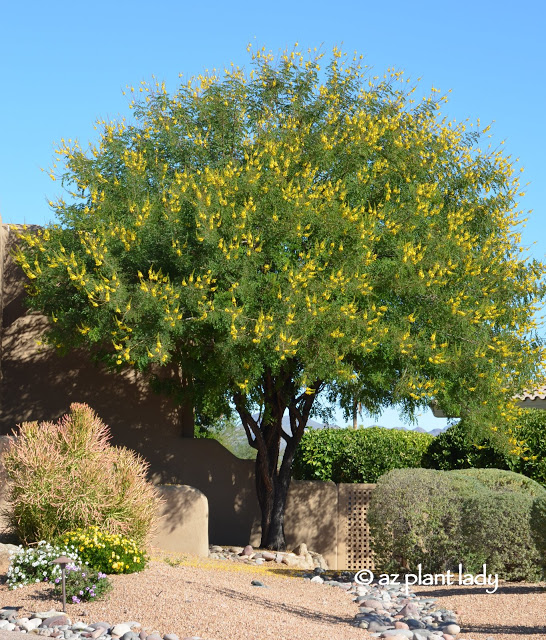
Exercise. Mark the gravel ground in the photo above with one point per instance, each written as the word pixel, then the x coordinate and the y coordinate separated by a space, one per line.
pixel 215 600
pixel 516 611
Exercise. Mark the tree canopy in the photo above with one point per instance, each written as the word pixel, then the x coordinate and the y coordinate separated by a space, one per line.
pixel 300 231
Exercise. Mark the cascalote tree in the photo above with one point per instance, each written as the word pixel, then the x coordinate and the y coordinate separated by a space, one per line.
pixel 290 237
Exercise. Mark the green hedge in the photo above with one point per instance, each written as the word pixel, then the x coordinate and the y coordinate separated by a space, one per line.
pixel 455 449
pixel 440 519
pixel 357 455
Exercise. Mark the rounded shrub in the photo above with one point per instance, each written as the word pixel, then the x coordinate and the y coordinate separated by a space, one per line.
pixel 496 530
pixel 357 455
pixel 64 475
pixel 442 519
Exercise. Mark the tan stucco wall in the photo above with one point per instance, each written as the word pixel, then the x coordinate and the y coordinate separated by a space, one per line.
pixel 226 481
pixel 311 517
pixel 184 520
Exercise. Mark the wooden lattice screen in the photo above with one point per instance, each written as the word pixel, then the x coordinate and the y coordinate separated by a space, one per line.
pixel 354 552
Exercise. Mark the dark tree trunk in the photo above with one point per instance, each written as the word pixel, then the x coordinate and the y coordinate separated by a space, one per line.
pixel 273 537
pixel 265 473
pixel 272 481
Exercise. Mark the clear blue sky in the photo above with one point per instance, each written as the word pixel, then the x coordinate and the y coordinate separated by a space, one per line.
pixel 64 65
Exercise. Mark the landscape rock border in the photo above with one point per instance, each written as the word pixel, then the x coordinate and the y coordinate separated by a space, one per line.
pixel 299 558
pixel 56 624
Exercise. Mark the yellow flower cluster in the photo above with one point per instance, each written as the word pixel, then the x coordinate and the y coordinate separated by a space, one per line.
pixel 113 553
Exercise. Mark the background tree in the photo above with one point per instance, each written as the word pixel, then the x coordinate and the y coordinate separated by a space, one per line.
pixel 230 433
pixel 289 237
pixel 455 448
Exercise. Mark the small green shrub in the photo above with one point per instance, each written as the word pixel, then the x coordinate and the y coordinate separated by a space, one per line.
pixel 65 475
pixel 109 553
pixel 33 564
pixel 83 584
pixel 357 455
pixel 439 519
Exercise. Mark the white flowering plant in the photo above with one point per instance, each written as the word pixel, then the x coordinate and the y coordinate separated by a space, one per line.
pixel 34 564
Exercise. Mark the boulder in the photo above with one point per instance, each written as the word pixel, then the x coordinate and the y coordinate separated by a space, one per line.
pixel 5 557
pixel 300 549
pixel 56 620
pixel 291 561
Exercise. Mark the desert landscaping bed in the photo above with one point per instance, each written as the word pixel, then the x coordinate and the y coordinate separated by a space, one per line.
pixel 215 600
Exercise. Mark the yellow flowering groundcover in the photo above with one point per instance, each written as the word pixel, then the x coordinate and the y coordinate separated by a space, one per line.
pixel 106 552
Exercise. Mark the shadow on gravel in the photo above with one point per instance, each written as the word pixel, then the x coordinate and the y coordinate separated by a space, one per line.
pixel 48 594
pixel 308 614
pixel 527 632
pixel 523 589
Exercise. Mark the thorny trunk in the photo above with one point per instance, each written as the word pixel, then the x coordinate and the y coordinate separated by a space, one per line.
pixel 265 434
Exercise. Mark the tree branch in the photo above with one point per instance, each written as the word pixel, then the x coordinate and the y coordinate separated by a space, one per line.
pixel 249 424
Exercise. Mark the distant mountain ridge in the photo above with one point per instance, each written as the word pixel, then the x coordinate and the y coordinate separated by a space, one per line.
pixel 313 424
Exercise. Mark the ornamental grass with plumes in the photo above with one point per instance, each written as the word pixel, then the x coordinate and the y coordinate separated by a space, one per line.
pixel 64 475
